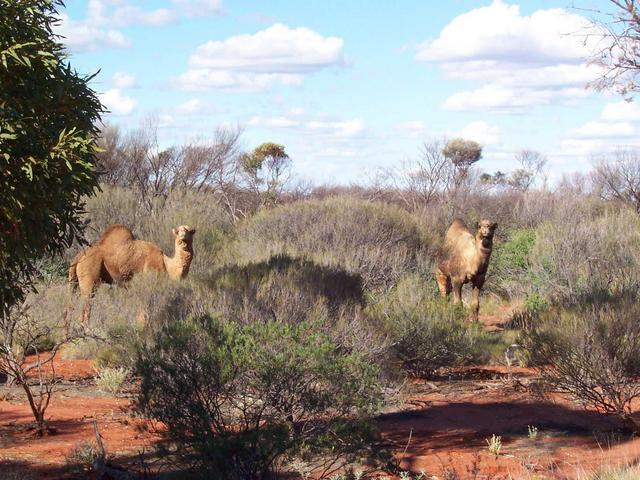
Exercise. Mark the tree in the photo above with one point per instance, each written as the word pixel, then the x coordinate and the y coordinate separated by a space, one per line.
pixel 48 114
pixel 268 168
pixel 532 165
pixel 617 48
pixel 462 153
pixel 619 179
pixel 426 180
pixel 47 148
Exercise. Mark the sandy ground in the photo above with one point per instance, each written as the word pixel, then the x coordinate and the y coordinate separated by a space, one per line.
pixel 439 427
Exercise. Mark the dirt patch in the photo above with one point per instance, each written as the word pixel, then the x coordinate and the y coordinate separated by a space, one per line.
pixel 440 427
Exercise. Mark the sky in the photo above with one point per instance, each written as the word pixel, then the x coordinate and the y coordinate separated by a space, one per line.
pixel 350 87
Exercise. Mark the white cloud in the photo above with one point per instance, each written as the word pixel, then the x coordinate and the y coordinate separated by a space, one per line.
pixel 604 130
pixel 312 125
pixel 199 7
pixel 202 79
pixel 191 107
pixel 519 61
pixel 480 132
pixel 278 55
pixel 117 103
pixel 123 80
pixel 618 126
pixel 85 36
pixel 104 17
pixel 412 129
pixel 621 111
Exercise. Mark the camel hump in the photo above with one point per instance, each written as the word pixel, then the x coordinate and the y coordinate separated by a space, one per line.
pixel 116 234
pixel 457 228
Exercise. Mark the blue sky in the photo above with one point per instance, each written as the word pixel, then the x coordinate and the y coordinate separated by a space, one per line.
pixel 352 86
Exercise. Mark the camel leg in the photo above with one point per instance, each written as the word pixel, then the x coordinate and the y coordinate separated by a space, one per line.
pixel 88 280
pixel 475 303
pixel 444 283
pixel 457 291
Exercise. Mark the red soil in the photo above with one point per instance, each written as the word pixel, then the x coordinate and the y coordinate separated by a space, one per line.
pixel 442 426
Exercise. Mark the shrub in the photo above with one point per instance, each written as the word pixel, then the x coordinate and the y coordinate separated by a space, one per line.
pixel 578 258
pixel 509 265
pixel 82 457
pixel 112 379
pixel 283 288
pixel 379 242
pixel 591 353
pixel 238 400
pixel 427 333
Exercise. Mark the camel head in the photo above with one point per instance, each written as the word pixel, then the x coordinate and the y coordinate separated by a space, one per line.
pixel 184 233
pixel 486 229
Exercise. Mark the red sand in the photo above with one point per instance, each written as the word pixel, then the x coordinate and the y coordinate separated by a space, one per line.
pixel 448 426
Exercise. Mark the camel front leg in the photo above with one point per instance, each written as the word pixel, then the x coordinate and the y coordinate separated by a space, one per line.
pixel 444 283
pixel 475 303
pixel 457 291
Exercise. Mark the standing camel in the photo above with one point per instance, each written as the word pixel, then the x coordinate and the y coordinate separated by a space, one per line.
pixel 464 259
pixel 117 256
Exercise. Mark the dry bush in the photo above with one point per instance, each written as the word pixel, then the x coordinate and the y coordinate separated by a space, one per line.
pixel 379 242
pixel 591 353
pixel 585 255
pixel 426 332
pixel 292 291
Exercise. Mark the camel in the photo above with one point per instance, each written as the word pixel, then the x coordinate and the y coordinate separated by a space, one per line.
pixel 464 259
pixel 118 255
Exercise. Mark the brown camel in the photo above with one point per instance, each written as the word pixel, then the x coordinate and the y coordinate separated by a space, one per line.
pixel 464 259
pixel 117 256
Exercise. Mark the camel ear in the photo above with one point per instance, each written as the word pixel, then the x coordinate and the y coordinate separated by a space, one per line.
pixel 175 232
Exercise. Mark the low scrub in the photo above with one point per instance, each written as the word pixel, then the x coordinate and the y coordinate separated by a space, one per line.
pixel 428 333
pixel 377 241
pixel 246 399
pixel 577 259
pixel 591 353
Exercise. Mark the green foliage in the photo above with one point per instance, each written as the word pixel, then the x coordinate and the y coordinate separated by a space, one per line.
pixel 112 379
pixel 510 264
pixel 82 457
pixel 377 241
pixel 248 397
pixel 284 289
pixel 47 150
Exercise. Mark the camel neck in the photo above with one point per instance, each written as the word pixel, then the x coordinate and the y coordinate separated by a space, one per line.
pixel 178 265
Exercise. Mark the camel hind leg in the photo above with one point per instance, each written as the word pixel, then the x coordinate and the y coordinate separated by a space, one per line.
pixel 444 283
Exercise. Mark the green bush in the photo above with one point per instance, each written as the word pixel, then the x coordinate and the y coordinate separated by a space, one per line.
pixel 591 353
pixel 377 241
pixel 509 265
pixel 239 400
